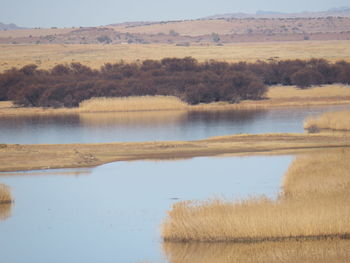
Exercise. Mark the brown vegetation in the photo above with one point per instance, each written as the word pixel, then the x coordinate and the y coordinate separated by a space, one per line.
pixel 5 202
pixel 313 204
pixel 330 120
pixel 191 81
pixel 5 194
pixel 30 157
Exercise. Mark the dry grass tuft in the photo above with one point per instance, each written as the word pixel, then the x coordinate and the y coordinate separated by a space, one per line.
pixel 142 103
pixel 5 194
pixel 316 251
pixel 314 204
pixel 330 120
pixel 5 202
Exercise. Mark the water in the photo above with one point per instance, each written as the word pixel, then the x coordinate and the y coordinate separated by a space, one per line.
pixel 152 126
pixel 113 213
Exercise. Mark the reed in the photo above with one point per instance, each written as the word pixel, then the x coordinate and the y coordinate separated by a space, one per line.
pixel 134 103
pixel 330 120
pixel 312 205
pixel 5 194
pixel 325 91
pixel 315 251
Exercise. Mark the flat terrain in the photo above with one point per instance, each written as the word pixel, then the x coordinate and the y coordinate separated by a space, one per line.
pixel 47 56
pixel 31 157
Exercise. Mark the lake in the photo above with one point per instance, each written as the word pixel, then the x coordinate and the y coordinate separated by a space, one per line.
pixel 113 213
pixel 152 126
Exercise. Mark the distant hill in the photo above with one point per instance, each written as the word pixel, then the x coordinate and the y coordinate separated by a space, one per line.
pixel 9 26
pixel 264 26
pixel 335 12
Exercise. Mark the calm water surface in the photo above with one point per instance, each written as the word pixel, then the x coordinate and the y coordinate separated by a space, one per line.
pixel 152 126
pixel 113 213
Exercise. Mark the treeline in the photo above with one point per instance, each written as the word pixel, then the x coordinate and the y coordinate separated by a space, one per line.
pixel 193 82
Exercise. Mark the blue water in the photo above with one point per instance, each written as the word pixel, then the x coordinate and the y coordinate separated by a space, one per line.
pixel 152 126
pixel 113 213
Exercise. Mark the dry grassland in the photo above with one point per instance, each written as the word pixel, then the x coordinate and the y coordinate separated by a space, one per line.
pixel 330 120
pixel 47 56
pixel 315 251
pixel 314 204
pixel 31 157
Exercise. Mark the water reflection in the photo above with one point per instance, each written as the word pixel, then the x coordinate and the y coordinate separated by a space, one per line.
pixel 336 250
pixel 5 202
pixel 151 126
pixel 143 118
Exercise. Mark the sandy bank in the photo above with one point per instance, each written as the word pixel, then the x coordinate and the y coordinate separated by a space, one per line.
pixel 30 157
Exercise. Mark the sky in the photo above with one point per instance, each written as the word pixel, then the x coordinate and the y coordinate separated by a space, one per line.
pixel 68 13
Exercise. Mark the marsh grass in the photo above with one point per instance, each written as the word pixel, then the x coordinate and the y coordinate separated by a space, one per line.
pixel 5 194
pixel 315 251
pixel 330 120
pixel 142 103
pixel 5 202
pixel 313 204
pixel 324 91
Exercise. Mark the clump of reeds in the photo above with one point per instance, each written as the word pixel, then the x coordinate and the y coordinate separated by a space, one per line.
pixel 5 202
pixel 312 205
pixel 257 220
pixel 315 251
pixel 5 194
pixel 134 103
pixel 318 175
pixel 330 120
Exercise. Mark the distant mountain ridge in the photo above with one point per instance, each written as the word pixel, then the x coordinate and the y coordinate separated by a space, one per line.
pixel 10 26
pixel 337 12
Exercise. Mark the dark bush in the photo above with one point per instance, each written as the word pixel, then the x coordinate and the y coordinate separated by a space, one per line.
pixel 68 85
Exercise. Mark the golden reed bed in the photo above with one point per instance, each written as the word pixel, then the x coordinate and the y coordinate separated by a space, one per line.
pixel 330 120
pixel 5 202
pixel 314 204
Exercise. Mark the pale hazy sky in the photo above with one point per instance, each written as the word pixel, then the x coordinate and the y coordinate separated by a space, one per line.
pixel 67 13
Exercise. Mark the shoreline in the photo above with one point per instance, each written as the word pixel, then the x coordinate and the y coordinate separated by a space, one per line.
pixel 16 157
pixel 276 97
pixel 218 106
